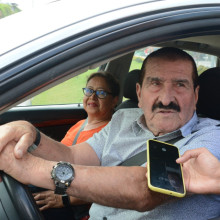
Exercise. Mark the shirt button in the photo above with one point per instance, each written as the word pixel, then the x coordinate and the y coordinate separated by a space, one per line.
pixel 104 218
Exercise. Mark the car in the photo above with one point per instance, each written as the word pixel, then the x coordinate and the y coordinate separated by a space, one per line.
pixel 43 48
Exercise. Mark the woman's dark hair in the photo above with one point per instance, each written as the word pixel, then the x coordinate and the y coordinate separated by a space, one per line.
pixel 110 80
pixel 171 54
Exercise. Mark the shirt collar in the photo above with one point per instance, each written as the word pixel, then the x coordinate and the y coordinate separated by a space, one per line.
pixel 139 126
pixel 188 127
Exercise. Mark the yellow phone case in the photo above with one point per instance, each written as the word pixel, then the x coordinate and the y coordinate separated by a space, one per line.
pixel 157 189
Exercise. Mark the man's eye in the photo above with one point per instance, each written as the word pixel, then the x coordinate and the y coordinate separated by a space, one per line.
pixel 179 84
pixel 155 83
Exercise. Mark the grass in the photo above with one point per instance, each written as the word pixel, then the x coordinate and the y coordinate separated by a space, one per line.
pixel 70 91
pixel 65 93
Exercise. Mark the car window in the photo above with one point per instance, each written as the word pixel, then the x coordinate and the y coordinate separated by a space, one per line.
pixel 203 61
pixel 68 92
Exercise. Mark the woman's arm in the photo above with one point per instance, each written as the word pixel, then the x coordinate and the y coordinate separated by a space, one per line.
pixel 48 199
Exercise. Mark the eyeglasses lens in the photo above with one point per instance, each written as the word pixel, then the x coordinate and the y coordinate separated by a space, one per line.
pixel 87 92
pixel 101 94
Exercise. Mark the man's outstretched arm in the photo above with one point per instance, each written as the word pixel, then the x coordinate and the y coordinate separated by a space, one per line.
pixel 120 187
pixel 24 134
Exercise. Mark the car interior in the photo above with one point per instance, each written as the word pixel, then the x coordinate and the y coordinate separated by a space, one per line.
pixel 55 120
pixel 208 102
pixel 129 90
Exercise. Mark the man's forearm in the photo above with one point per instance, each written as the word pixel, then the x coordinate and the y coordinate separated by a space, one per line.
pixel 119 187
pixel 50 149
pixel 82 153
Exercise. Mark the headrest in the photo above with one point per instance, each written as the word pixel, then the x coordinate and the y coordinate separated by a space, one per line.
pixel 130 85
pixel 209 93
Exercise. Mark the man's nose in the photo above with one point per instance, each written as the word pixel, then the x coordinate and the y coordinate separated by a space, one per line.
pixel 167 94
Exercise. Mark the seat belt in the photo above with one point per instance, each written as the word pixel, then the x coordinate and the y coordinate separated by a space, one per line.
pixel 141 158
pixel 81 128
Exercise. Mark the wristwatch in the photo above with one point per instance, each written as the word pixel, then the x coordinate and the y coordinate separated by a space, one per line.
pixel 62 174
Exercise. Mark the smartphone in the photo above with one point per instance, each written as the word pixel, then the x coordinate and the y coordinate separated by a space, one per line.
pixel 164 174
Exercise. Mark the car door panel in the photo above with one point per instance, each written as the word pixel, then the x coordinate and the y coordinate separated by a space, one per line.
pixel 54 120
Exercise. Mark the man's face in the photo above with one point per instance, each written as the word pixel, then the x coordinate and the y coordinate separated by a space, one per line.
pixel 167 95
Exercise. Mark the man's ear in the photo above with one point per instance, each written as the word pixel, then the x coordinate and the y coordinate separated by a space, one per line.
pixel 138 91
pixel 197 94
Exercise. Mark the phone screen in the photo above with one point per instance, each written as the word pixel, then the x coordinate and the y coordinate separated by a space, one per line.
pixel 164 172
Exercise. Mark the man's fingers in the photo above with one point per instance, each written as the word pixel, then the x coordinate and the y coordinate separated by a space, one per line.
pixel 20 133
pixel 22 145
pixel 6 135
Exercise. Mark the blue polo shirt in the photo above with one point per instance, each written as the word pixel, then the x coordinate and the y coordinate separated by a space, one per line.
pixel 126 135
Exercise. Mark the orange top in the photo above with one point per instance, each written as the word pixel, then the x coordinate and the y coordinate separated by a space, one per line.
pixel 83 136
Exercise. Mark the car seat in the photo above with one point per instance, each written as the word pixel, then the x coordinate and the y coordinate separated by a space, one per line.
pixel 209 94
pixel 129 90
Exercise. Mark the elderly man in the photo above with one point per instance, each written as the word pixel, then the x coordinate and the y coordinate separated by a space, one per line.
pixel 167 95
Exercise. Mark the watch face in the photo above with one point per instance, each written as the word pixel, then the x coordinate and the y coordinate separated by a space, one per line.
pixel 64 172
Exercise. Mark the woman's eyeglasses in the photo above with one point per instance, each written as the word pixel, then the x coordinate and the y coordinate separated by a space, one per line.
pixel 101 94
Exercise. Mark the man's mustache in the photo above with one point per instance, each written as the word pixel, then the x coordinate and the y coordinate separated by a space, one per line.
pixel 171 106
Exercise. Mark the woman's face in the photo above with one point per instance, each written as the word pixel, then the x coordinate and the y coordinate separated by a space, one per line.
pixel 96 107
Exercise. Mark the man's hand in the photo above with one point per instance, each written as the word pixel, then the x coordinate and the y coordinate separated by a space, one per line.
pixel 28 170
pixel 47 199
pixel 22 132
pixel 20 169
pixel 201 171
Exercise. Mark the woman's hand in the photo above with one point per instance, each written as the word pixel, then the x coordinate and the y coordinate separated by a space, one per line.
pixel 47 199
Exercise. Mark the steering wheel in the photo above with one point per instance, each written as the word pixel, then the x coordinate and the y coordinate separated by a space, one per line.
pixel 16 201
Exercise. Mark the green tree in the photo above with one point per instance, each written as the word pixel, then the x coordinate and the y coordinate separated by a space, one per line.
pixel 8 9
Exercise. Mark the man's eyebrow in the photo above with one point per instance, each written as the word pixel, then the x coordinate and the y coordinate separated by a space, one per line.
pixel 158 79
pixel 181 81
pixel 151 79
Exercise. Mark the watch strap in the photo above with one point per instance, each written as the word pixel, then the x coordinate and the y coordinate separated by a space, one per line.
pixel 66 200
pixel 60 188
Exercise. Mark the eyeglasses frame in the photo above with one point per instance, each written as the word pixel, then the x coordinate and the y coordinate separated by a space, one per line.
pixel 95 91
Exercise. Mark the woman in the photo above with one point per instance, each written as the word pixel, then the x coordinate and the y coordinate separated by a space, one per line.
pixel 100 98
